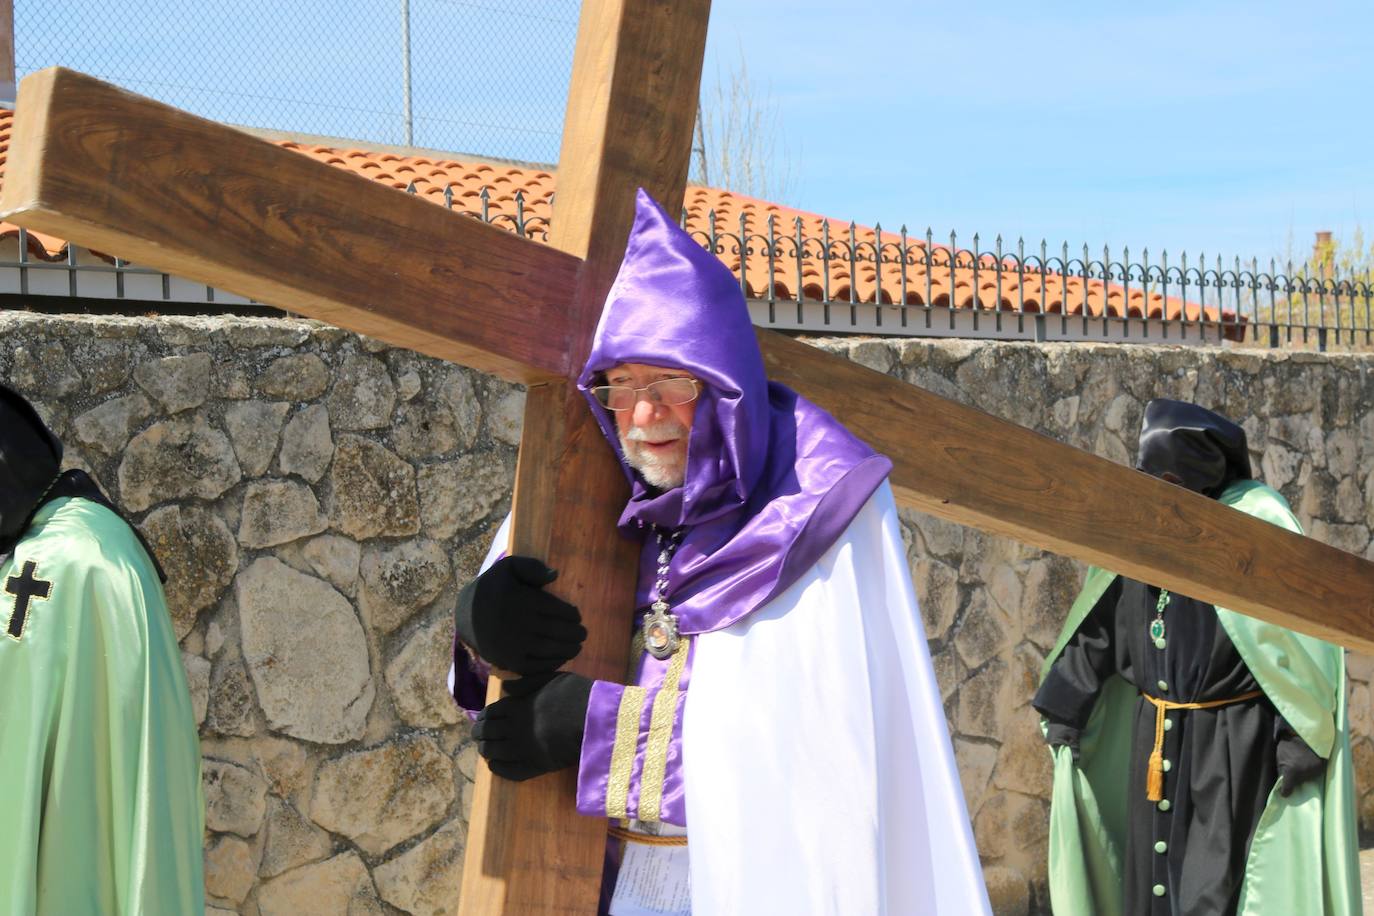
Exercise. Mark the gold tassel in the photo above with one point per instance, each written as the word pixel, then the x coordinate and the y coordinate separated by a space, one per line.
pixel 1154 779
pixel 1154 776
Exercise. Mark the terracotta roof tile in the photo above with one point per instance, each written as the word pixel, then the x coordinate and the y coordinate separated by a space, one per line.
pixel 928 274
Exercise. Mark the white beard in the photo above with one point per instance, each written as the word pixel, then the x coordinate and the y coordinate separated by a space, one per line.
pixel 662 471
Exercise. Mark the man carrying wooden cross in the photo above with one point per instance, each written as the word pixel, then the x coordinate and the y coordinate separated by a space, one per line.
pixel 782 738
pixel 1201 757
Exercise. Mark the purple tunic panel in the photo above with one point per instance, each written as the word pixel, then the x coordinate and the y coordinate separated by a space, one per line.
pixel 605 790
pixel 470 675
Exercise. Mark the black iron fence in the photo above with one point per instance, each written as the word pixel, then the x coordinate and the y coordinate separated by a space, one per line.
pixel 817 276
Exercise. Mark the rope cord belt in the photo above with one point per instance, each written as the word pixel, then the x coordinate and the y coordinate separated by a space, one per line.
pixel 1154 778
pixel 647 839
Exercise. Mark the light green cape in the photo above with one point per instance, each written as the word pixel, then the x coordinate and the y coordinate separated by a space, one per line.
pixel 100 797
pixel 1303 858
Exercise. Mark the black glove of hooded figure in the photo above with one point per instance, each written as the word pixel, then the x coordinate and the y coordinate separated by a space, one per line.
pixel 1297 763
pixel 506 617
pixel 536 728
pixel 1058 734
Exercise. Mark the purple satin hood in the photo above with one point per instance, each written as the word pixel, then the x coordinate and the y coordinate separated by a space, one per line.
pixel 772 480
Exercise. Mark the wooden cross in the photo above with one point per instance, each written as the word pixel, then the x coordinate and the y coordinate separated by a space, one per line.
pixel 109 170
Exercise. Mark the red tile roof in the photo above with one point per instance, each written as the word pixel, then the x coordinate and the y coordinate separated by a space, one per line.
pixel 928 273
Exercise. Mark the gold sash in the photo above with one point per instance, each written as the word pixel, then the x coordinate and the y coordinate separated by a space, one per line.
pixel 1154 778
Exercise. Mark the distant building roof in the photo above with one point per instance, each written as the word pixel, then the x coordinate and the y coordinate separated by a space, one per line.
pixel 928 273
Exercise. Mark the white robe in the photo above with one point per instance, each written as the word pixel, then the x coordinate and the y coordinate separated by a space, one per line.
pixel 820 777
pixel 819 773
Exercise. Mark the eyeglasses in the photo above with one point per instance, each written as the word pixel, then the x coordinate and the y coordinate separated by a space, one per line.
pixel 669 392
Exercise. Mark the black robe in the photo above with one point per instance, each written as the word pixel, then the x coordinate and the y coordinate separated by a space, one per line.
pixel 1221 761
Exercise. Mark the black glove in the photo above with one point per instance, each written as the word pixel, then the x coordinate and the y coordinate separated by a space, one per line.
pixel 1057 734
pixel 1297 763
pixel 536 728
pixel 506 617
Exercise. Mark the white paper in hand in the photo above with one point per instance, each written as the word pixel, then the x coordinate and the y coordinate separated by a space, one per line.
pixel 653 881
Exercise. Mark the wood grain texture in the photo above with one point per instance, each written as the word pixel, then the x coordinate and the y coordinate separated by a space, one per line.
pixel 126 175
pixel 636 75
pixel 963 465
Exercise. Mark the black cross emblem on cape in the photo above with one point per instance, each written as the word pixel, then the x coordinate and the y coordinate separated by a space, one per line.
pixel 25 587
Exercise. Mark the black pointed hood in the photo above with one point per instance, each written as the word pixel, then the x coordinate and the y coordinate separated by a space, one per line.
pixel 1203 449
pixel 30 462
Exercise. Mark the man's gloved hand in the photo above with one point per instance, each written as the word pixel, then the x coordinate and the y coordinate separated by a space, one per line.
pixel 536 728
pixel 506 617
pixel 1297 763
pixel 1057 734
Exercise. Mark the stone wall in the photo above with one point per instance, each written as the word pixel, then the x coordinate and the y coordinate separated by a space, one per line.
pixel 317 498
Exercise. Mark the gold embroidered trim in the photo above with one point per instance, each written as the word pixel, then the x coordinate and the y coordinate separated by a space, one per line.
pixel 623 751
pixel 660 736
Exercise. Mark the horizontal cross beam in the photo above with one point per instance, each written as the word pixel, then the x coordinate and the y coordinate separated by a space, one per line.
pixel 963 465
pixel 103 167
pixel 117 172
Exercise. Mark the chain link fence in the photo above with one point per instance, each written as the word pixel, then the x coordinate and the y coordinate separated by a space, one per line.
pixel 484 78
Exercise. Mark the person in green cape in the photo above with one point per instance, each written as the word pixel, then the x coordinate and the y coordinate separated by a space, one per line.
pixel 100 794
pixel 1201 757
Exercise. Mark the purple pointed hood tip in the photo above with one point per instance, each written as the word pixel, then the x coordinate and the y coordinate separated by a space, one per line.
pixel 772 480
pixel 675 304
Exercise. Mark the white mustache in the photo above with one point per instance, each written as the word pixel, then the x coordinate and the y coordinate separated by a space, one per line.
pixel 659 432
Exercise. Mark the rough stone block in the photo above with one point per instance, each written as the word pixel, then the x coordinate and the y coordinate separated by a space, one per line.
pixel 363 395
pixel 425 880
pixel 298 377
pixel 307 446
pixel 181 458
pixel 454 496
pixel 254 429
pixel 336 559
pixel 506 416
pixel 340 885
pixel 199 556
pixel 291 840
pixel 418 677
pixel 229 869
pixel 278 512
pixel 235 798
pixel 177 382
pixel 286 617
pixel 399 580
pixel 381 797
pixel 373 491
pixel 198 683
pixel 107 427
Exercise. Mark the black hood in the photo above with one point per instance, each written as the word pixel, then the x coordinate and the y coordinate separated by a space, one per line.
pixel 1206 451
pixel 31 474
pixel 30 462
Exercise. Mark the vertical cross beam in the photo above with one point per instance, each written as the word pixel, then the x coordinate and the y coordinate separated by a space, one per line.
pixel 631 106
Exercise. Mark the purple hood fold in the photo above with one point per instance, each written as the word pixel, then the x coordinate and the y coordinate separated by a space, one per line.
pixel 772 480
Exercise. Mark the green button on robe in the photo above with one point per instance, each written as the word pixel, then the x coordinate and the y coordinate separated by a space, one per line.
pixel 100 796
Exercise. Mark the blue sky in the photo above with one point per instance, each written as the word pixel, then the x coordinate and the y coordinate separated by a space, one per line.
pixel 1216 126
pixel 1224 127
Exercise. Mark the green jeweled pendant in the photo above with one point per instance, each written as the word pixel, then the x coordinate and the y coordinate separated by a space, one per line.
pixel 1156 629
